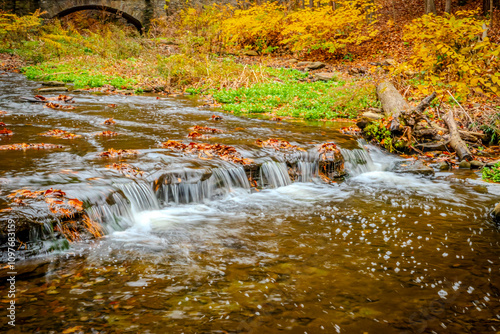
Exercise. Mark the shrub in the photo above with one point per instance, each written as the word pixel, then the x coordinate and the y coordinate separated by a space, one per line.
pixel 269 26
pixel 450 49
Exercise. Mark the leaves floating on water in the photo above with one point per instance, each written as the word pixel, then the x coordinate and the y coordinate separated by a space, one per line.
pixel 126 169
pixel 63 98
pixel 53 105
pixel 206 150
pixel 351 130
pixel 3 112
pixel 109 121
pixel 277 144
pixel 60 134
pixel 5 132
pixel 107 134
pixel 112 153
pixel 195 134
pixel 206 129
pixel 24 146
pixel 216 118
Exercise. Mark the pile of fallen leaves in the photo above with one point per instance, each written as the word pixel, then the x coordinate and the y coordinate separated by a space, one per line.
pixel 126 169
pixel 24 146
pixel 59 204
pixel 112 153
pixel 65 209
pixel 60 134
pixel 107 134
pixel 277 144
pixel 207 151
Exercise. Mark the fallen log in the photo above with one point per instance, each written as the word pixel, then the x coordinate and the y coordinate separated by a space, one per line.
pixel 465 135
pixel 393 104
pixel 455 141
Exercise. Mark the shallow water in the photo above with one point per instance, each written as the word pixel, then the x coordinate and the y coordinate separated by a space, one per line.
pixel 381 252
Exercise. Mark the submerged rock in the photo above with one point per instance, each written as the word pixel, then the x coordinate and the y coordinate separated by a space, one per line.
pixel 53 89
pixel 413 167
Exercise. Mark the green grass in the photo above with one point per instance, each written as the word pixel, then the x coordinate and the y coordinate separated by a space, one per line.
pixel 492 173
pixel 286 95
pixel 80 76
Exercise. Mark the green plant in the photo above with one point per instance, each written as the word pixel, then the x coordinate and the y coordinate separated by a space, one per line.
pixel 289 94
pixel 379 132
pixel 492 173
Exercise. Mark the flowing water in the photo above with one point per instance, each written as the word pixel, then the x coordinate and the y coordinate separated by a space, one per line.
pixel 192 247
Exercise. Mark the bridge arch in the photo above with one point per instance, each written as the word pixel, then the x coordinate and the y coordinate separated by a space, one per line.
pixel 128 17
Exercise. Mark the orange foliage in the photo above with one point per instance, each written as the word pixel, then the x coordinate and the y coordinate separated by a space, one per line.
pixel 109 121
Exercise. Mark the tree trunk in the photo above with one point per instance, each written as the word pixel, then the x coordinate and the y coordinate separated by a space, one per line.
pixel 447 8
pixel 455 141
pixel 430 7
pixel 393 103
pixel 311 3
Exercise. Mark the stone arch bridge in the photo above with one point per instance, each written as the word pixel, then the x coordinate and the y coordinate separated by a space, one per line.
pixel 137 12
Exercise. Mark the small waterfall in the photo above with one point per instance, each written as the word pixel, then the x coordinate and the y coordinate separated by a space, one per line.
pixel 357 161
pixel 112 213
pixel 307 171
pixel 187 188
pixel 140 195
pixel 274 175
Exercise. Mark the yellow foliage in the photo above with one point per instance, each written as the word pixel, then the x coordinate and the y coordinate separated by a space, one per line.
pixel 450 49
pixel 16 27
pixel 268 26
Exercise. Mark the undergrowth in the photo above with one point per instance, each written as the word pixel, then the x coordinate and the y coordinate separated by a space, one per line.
pixel 289 93
pixel 492 173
